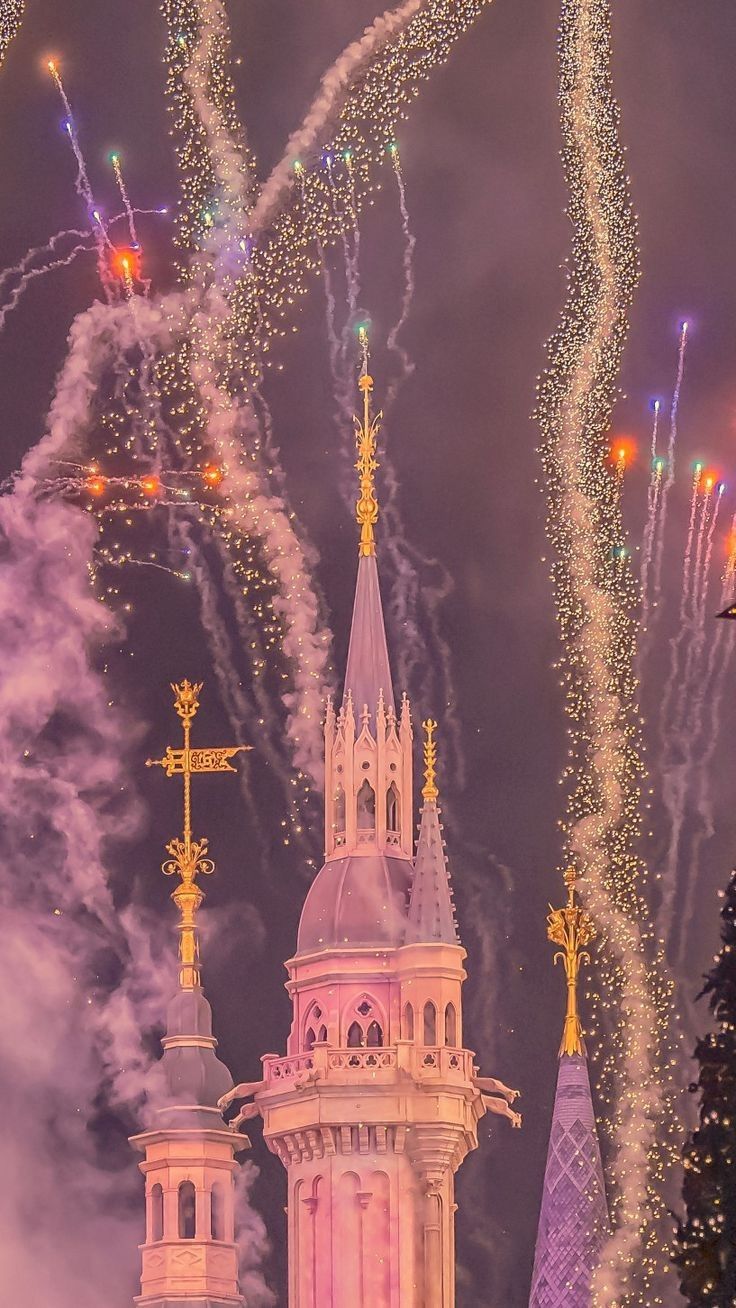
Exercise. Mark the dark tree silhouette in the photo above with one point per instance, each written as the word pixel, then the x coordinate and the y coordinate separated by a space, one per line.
pixel 706 1242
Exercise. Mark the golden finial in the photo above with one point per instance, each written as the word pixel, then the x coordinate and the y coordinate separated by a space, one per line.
pixel 572 928
pixel 430 790
pixel 188 856
pixel 366 433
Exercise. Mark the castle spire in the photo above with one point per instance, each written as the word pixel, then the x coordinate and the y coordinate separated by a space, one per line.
pixel 574 1212
pixel 431 917
pixel 368 671
pixel 366 435
pixel 188 856
pixel 189 1256
pixel 572 928
pixel 430 790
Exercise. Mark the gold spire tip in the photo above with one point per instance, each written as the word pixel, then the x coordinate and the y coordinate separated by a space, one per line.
pixel 366 433
pixel 573 929
pixel 430 790
pixel 188 856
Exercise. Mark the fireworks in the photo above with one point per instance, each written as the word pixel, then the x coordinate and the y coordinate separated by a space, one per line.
pixel 84 189
pixel 668 482
pixel 407 299
pixel 595 598
pixel 11 17
pixel 654 498
pixel 264 246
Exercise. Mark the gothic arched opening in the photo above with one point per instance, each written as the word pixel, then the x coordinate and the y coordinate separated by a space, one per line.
pixel 339 803
pixel 366 807
pixel 374 1036
pixel 392 809
pixel 187 1211
pixel 157 1213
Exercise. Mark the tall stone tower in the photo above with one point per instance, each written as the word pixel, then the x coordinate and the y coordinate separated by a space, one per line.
pixel 574 1216
pixel 377 1101
pixel 189 1258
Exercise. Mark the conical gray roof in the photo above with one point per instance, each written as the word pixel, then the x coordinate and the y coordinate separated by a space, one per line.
pixel 431 912
pixel 368 669
pixel 189 1079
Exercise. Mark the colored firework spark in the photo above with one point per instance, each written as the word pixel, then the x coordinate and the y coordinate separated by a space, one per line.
pixel 160 387
pixel 298 211
pixel 595 597
pixel 658 547
pixel 179 379
pixel 84 188
pixel 654 499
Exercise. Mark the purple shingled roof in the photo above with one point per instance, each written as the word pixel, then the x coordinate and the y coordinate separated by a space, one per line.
pixel 574 1216
pixel 431 914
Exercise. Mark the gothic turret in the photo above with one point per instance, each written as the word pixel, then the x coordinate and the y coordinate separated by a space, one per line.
pixel 574 1213
pixel 189 1256
pixel 377 1101
pixel 360 895
pixel 431 916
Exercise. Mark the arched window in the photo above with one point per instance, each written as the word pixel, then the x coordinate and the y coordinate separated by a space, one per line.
pixel 451 1026
pixel 430 1023
pixel 392 809
pixel 311 1023
pixel 157 1213
pixel 408 1022
pixel 374 1037
pixel 366 807
pixel 322 1035
pixel 187 1211
pixel 217 1211
pixel 355 1036
pixel 339 809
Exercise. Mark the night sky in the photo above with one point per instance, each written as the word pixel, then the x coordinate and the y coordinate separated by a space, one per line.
pixel 486 197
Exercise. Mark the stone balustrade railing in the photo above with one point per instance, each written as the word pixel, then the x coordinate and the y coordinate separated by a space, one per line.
pixel 382 1063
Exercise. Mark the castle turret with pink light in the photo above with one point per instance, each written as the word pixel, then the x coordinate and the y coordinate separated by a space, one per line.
pixel 189 1256
pixel 377 1100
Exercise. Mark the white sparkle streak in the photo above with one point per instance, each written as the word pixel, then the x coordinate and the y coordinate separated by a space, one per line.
pixel 334 86
pixel 596 598
pixel 671 455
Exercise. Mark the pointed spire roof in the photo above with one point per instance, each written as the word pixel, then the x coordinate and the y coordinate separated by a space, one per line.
pixel 574 1215
pixel 431 918
pixel 368 671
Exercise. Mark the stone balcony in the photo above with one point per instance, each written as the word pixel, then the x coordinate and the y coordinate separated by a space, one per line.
pixel 382 1065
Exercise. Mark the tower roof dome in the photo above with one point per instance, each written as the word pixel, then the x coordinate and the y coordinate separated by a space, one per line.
pixel 358 900
pixel 193 1074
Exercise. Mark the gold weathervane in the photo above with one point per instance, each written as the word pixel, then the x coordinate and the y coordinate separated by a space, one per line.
pixel 430 790
pixel 366 432
pixel 188 856
pixel 573 929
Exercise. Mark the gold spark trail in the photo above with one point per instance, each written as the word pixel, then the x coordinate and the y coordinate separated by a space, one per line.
pixel 595 597
pixel 11 17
